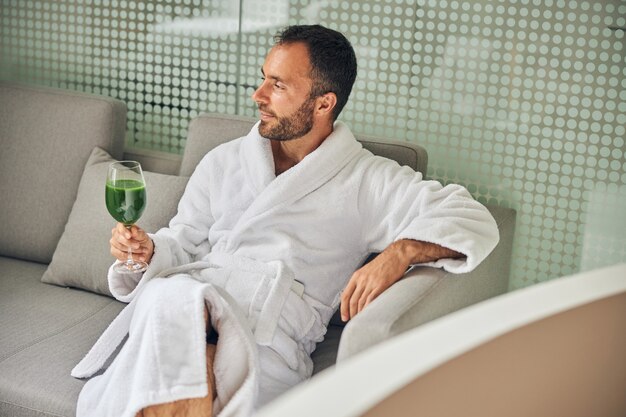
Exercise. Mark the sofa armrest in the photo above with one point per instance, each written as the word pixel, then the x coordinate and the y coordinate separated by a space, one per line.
pixel 425 294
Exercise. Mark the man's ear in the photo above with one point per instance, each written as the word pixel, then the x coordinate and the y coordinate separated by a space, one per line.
pixel 326 104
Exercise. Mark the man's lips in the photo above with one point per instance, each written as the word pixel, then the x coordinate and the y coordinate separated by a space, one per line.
pixel 265 115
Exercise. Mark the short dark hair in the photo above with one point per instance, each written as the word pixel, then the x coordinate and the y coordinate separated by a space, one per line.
pixel 333 62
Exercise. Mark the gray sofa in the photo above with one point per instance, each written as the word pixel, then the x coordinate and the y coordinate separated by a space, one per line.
pixel 54 303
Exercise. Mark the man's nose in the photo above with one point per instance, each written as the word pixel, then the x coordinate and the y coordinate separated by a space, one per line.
pixel 259 94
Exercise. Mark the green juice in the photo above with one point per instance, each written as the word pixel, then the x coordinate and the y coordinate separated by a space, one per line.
pixel 125 200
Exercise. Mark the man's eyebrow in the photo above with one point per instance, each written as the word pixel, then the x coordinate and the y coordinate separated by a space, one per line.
pixel 272 77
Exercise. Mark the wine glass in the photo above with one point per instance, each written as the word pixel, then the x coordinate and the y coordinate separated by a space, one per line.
pixel 125 196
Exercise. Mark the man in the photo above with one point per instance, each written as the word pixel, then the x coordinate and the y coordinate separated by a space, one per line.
pixel 273 225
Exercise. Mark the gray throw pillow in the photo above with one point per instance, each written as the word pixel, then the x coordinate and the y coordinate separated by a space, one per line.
pixel 82 257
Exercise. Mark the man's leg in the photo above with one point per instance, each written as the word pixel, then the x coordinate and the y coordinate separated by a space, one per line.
pixel 191 407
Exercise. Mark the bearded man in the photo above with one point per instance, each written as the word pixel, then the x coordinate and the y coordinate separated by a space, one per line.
pixel 268 242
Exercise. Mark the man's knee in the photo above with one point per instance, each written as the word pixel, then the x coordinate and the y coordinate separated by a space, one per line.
pixel 163 296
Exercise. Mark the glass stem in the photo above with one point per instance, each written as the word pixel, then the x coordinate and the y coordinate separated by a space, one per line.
pixel 129 261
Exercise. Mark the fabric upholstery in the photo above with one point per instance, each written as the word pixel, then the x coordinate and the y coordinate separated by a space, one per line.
pixel 325 354
pixel 43 339
pixel 46 136
pixel 38 377
pixel 405 153
pixel 83 262
pixel 210 130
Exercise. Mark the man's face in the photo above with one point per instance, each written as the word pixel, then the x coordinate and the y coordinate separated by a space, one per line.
pixel 284 101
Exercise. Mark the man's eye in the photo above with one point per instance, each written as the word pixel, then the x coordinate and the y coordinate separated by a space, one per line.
pixel 279 86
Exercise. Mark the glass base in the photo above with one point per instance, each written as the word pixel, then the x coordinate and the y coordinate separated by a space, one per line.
pixel 130 267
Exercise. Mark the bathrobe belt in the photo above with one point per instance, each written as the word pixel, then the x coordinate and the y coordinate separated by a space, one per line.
pixel 282 283
pixel 266 322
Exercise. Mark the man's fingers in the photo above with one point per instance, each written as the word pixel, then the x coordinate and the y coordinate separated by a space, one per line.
pixel 367 296
pixel 354 297
pixel 354 301
pixel 118 254
pixel 366 284
pixel 135 238
pixel 362 301
pixel 122 238
pixel 121 253
pixel 122 245
pixel 140 236
pixel 117 242
pixel 137 233
pixel 372 296
pixel 364 293
pixel 345 300
pixel 117 250
pixel 123 231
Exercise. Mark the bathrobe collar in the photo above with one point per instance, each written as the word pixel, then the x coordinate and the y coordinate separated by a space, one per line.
pixel 309 174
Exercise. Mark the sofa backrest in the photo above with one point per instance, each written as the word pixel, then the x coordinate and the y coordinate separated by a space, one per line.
pixel 207 131
pixel 46 137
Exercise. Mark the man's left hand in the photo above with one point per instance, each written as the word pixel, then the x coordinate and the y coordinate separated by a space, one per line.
pixel 372 279
pixel 375 277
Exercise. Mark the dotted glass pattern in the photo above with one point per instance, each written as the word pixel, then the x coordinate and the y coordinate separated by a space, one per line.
pixel 522 101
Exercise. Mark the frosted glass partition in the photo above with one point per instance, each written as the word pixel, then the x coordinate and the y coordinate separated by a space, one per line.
pixel 522 101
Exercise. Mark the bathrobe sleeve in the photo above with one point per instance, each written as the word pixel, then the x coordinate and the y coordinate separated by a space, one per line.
pixel 396 203
pixel 186 239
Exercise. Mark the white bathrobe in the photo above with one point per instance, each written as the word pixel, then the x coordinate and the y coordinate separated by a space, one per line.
pixel 270 256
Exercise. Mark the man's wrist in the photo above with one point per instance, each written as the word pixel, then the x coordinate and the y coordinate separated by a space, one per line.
pixel 406 251
pixel 416 251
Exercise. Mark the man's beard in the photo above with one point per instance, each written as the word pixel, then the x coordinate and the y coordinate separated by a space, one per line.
pixel 290 127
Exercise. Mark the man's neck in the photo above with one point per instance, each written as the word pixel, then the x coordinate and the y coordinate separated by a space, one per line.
pixel 291 152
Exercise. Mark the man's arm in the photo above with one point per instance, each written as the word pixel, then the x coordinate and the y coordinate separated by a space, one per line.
pixel 372 279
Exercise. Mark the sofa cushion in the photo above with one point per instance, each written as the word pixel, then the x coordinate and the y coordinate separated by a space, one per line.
pixel 46 136
pixel 46 330
pixel 207 131
pixel 82 257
